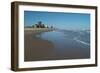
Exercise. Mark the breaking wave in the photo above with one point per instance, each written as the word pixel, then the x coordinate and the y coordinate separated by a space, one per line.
pixel 81 42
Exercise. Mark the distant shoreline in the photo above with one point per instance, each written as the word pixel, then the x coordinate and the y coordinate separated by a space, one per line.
pixel 37 30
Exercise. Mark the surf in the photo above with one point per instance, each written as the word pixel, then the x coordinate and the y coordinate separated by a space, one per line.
pixel 81 42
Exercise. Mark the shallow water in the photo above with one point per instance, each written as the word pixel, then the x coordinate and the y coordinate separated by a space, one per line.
pixel 68 41
pixel 62 38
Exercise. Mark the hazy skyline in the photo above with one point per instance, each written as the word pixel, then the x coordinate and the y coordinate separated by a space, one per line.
pixel 58 20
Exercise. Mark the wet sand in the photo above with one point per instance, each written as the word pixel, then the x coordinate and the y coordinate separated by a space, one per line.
pixel 36 48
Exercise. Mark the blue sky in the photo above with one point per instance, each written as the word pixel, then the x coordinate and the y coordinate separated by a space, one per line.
pixel 59 20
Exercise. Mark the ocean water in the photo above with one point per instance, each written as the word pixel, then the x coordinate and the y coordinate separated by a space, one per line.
pixel 68 43
pixel 58 37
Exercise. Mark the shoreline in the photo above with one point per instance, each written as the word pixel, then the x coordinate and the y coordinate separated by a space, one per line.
pixel 37 30
pixel 38 49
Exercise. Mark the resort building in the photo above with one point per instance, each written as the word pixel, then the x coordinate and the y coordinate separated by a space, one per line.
pixel 41 25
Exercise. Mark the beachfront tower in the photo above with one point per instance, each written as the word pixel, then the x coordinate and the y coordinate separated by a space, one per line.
pixel 40 23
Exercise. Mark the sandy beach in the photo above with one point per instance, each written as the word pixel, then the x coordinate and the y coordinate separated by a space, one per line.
pixel 44 44
pixel 36 48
